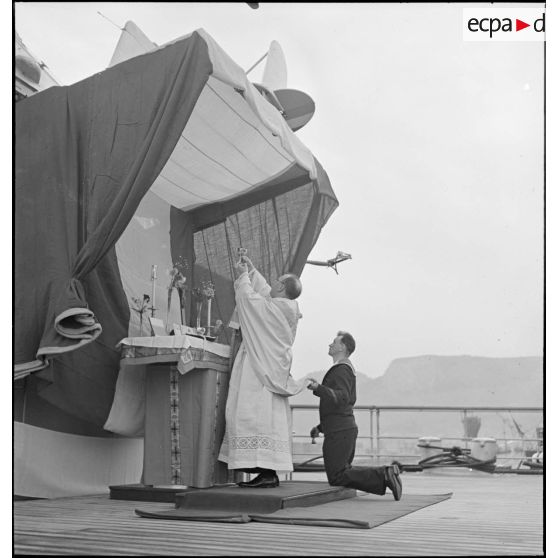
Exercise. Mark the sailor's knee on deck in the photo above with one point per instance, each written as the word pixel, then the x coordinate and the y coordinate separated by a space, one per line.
pixel 338 477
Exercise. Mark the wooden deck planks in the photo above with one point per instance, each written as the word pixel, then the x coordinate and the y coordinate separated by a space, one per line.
pixel 488 515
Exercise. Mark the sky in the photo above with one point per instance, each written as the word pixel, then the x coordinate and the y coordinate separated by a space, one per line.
pixel 433 145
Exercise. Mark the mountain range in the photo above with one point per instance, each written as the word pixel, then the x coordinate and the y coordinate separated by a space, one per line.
pixel 450 380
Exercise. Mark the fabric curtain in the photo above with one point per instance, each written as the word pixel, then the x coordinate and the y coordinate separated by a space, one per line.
pixel 85 156
pixel 278 230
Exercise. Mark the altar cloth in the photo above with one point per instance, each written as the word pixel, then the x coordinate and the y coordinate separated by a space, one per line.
pixel 127 414
pixel 177 343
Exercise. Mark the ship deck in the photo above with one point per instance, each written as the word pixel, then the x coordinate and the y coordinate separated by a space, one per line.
pixel 487 515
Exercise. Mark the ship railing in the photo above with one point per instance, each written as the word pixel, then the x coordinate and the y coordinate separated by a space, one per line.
pixel 379 447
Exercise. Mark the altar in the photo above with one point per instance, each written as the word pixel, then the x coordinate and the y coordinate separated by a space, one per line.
pixel 186 385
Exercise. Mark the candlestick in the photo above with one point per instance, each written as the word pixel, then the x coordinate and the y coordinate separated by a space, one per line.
pixel 153 281
pixel 209 316
pixel 199 304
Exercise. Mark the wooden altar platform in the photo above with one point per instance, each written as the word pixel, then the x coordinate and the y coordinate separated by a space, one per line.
pixel 487 515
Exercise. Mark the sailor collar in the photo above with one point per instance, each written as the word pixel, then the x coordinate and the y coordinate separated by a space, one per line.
pixel 348 362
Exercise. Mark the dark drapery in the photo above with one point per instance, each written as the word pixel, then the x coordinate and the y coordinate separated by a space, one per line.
pixel 85 156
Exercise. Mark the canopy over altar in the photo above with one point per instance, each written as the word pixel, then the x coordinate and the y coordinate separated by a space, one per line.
pixel 170 155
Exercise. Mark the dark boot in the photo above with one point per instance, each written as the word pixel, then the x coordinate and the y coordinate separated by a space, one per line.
pixel 393 482
pixel 269 479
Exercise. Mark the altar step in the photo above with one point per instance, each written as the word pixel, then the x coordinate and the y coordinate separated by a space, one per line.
pixel 143 493
pixel 288 494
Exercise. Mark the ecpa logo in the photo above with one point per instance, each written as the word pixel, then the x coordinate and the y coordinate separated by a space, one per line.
pixel 503 24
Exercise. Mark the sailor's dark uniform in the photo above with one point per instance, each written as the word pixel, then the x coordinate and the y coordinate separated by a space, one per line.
pixel 337 394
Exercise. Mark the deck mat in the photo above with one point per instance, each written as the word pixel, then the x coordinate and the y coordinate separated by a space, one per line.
pixel 362 512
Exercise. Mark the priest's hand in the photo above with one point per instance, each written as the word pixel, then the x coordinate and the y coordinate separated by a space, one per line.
pixel 246 260
pixel 240 268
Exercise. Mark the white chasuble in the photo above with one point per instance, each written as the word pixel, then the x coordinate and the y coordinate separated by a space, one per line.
pixel 258 419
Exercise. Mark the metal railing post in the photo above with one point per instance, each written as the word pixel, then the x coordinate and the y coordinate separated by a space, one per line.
pixel 464 423
pixel 377 434
pixel 372 445
pixel 291 411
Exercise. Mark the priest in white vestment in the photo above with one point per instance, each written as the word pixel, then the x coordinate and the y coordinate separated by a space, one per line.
pixel 258 420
